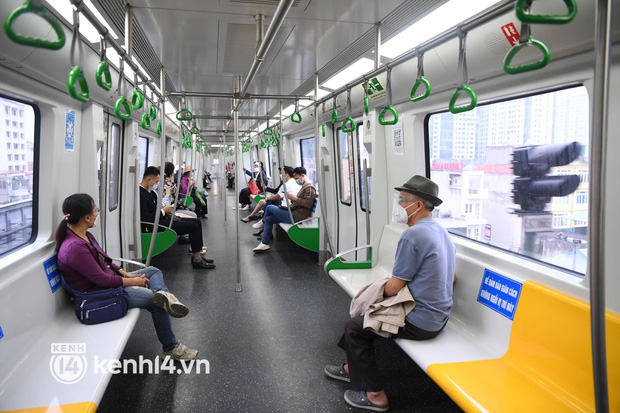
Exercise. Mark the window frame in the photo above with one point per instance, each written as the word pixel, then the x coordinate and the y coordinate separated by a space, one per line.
pixel 115 190
pixel 36 141
pixel 339 173
pixel 360 144
pixel 301 154
pixel 506 98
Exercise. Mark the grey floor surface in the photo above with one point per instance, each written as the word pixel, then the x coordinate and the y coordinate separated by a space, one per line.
pixel 267 345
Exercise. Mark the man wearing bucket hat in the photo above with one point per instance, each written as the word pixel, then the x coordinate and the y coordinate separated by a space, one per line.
pixel 424 262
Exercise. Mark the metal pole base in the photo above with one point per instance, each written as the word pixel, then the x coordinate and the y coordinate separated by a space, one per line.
pixel 238 288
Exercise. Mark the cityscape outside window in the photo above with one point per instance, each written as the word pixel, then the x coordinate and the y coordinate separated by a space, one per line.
pixel 471 159
pixel 16 176
pixel 308 158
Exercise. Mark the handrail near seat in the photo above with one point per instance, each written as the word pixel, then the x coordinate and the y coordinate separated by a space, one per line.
pixel 164 240
pixel 335 262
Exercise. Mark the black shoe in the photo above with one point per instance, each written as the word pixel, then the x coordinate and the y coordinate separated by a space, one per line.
pixel 207 260
pixel 255 217
pixel 183 240
pixel 202 265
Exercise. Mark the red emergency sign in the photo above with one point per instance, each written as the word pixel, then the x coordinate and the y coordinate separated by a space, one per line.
pixel 511 33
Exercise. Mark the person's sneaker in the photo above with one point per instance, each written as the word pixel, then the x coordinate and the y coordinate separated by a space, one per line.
pixel 181 352
pixel 201 264
pixel 259 224
pixel 262 247
pixel 245 208
pixel 337 372
pixel 170 303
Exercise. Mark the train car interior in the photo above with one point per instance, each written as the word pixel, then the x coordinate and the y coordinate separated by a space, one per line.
pixel 253 163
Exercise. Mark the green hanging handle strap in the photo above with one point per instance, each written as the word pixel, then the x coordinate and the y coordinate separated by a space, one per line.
pixel 102 75
pixel 335 112
pixel 389 107
pixel 121 102
pixel 76 76
pixel 323 130
pixel 366 105
pixel 36 7
pixel 296 116
pixel 268 131
pixel 420 80
pixel 349 120
pixel 145 121
pixel 522 9
pixel 184 114
pixel 463 79
pixel 159 128
pixel 137 99
pixel 526 40
pixel 194 130
pixel 153 112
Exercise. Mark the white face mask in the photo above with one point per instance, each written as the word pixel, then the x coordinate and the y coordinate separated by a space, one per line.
pixel 299 181
pixel 155 187
pixel 96 221
pixel 399 213
pixel 256 169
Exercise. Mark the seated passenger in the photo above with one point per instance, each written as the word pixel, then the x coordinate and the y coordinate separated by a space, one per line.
pixel 425 259
pixel 301 206
pixel 86 267
pixel 259 176
pixel 170 190
pixel 191 226
pixel 292 188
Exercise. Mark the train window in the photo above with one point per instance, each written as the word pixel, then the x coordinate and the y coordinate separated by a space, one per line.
pixel 308 158
pixel 143 155
pixel 269 162
pixel 114 166
pixel 19 178
pixel 509 204
pixel 362 154
pixel 344 166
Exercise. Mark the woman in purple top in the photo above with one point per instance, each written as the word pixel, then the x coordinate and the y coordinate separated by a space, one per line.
pixel 86 267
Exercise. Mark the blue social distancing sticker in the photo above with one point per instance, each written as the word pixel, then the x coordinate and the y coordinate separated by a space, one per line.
pixel 499 293
pixel 51 270
pixel 1 333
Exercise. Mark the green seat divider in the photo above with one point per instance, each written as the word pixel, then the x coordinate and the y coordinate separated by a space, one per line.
pixel 307 238
pixel 163 241
pixel 184 114
pixel 153 112
pixel 31 41
pixel 137 100
pixel 338 264
pixel 513 70
pixel 258 198
pixel 388 122
pixel 527 17
pixel 122 102
pixel 188 201
pixel 472 104
pixel 77 77
pixel 103 72
pixel 145 122
pixel 296 117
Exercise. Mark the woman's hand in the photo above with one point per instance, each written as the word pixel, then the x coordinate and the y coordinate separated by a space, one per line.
pixel 135 280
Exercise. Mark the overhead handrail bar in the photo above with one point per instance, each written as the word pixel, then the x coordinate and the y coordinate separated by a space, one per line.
pixel 463 79
pixel 597 211
pixel 76 76
pixel 470 24
pixel 103 32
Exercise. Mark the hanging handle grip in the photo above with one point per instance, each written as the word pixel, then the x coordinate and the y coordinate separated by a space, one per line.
pixel 525 16
pixel 184 114
pixel 296 117
pixel 122 103
pixel 352 124
pixel 159 128
pixel 32 41
pixel 103 77
pixel 472 95
pixel 145 121
pixel 137 100
pixel 153 112
pixel 391 109
pixel 427 85
pixel 77 77
pixel 531 42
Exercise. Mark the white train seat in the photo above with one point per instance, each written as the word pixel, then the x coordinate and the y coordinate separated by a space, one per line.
pixel 486 362
pixel 49 361
pixel 305 233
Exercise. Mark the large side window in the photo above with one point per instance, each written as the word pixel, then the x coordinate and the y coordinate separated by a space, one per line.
pixel 308 158
pixel 344 172
pixel 514 175
pixel 18 175
pixel 143 154
pixel 114 165
pixel 362 155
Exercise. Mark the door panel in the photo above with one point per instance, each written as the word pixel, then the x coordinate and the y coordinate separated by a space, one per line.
pixel 114 141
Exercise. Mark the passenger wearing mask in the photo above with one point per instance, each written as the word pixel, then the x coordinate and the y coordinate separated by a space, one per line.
pixel 86 267
pixel 170 190
pixel 425 260
pixel 191 226
pixel 292 188
pixel 301 206
pixel 259 176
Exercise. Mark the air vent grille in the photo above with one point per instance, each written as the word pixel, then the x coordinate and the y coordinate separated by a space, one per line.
pixel 273 3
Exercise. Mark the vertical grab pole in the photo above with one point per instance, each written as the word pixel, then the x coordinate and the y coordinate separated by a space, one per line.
pixel 288 203
pixel 596 234
pixel 366 201
pixel 238 287
pixel 319 176
pixel 162 157
pixel 176 196
pixel 377 45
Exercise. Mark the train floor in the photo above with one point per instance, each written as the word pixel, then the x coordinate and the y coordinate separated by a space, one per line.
pixel 266 346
